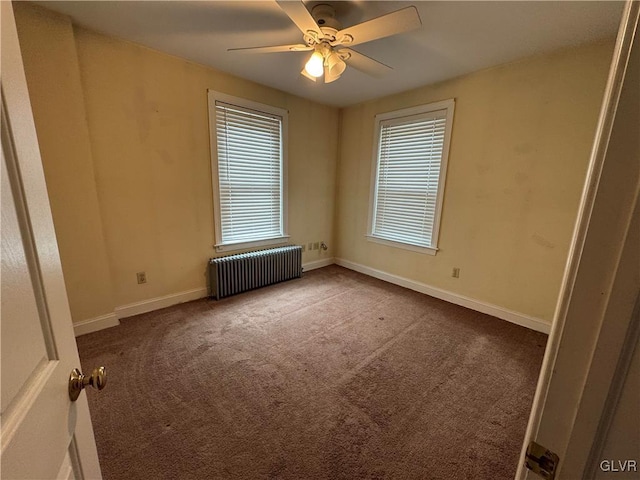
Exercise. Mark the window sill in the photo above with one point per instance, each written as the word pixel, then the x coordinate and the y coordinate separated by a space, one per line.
pixel 405 246
pixel 229 247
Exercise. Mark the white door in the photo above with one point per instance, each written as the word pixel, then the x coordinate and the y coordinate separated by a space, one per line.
pixel 597 323
pixel 44 435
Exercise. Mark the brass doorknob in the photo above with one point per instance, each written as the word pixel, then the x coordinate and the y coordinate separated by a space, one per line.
pixel 77 381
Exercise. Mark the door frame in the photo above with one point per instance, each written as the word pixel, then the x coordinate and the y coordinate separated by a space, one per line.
pixel 595 362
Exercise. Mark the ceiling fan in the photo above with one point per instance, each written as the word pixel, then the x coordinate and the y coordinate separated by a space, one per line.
pixel 330 43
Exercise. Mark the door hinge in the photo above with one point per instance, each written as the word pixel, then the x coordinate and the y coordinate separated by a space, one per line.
pixel 542 461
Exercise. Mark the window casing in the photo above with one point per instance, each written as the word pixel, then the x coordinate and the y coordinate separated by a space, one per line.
pixel 409 167
pixel 248 167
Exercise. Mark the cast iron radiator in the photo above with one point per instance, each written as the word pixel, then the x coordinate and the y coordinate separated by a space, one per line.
pixel 246 271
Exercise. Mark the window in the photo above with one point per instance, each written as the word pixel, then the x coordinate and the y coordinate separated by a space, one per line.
pixel 248 168
pixel 410 163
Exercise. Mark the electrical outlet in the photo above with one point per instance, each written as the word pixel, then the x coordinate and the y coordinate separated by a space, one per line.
pixel 304 247
pixel 316 245
pixel 310 246
pixel 142 277
pixel 456 272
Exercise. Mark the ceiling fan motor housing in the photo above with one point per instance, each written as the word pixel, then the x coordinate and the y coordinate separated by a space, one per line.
pixel 324 15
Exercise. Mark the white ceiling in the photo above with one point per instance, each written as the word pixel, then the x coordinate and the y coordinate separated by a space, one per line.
pixel 455 38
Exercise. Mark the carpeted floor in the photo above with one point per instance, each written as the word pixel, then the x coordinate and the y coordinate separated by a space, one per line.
pixel 333 376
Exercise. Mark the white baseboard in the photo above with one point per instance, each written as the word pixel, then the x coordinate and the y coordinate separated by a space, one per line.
pixel 157 303
pixel 145 306
pixel 477 305
pixel 317 264
pixel 94 324
pixel 137 308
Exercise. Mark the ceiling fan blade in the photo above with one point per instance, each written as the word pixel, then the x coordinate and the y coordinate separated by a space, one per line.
pixel 299 15
pixel 274 49
pixel 399 21
pixel 363 63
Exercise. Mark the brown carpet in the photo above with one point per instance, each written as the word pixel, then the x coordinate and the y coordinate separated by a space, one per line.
pixel 333 376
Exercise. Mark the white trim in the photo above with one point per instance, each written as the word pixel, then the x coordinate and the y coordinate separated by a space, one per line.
pixel 157 303
pixel 406 246
pixel 212 97
pixel 521 319
pixel 545 402
pixel 229 247
pixel 215 95
pixel 111 320
pixel 616 389
pixel 416 110
pixel 325 262
pixel 449 106
pixel 94 324
pixel 145 306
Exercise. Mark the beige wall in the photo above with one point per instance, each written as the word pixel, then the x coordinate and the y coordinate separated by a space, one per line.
pixel 520 146
pixel 147 121
pixel 53 77
pixel 130 180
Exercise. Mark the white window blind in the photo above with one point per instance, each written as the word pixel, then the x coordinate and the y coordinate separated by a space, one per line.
pixel 250 173
pixel 408 177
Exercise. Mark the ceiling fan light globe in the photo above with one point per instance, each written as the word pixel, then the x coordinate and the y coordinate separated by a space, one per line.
pixel 328 77
pixel 315 65
pixel 336 65
pixel 306 75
